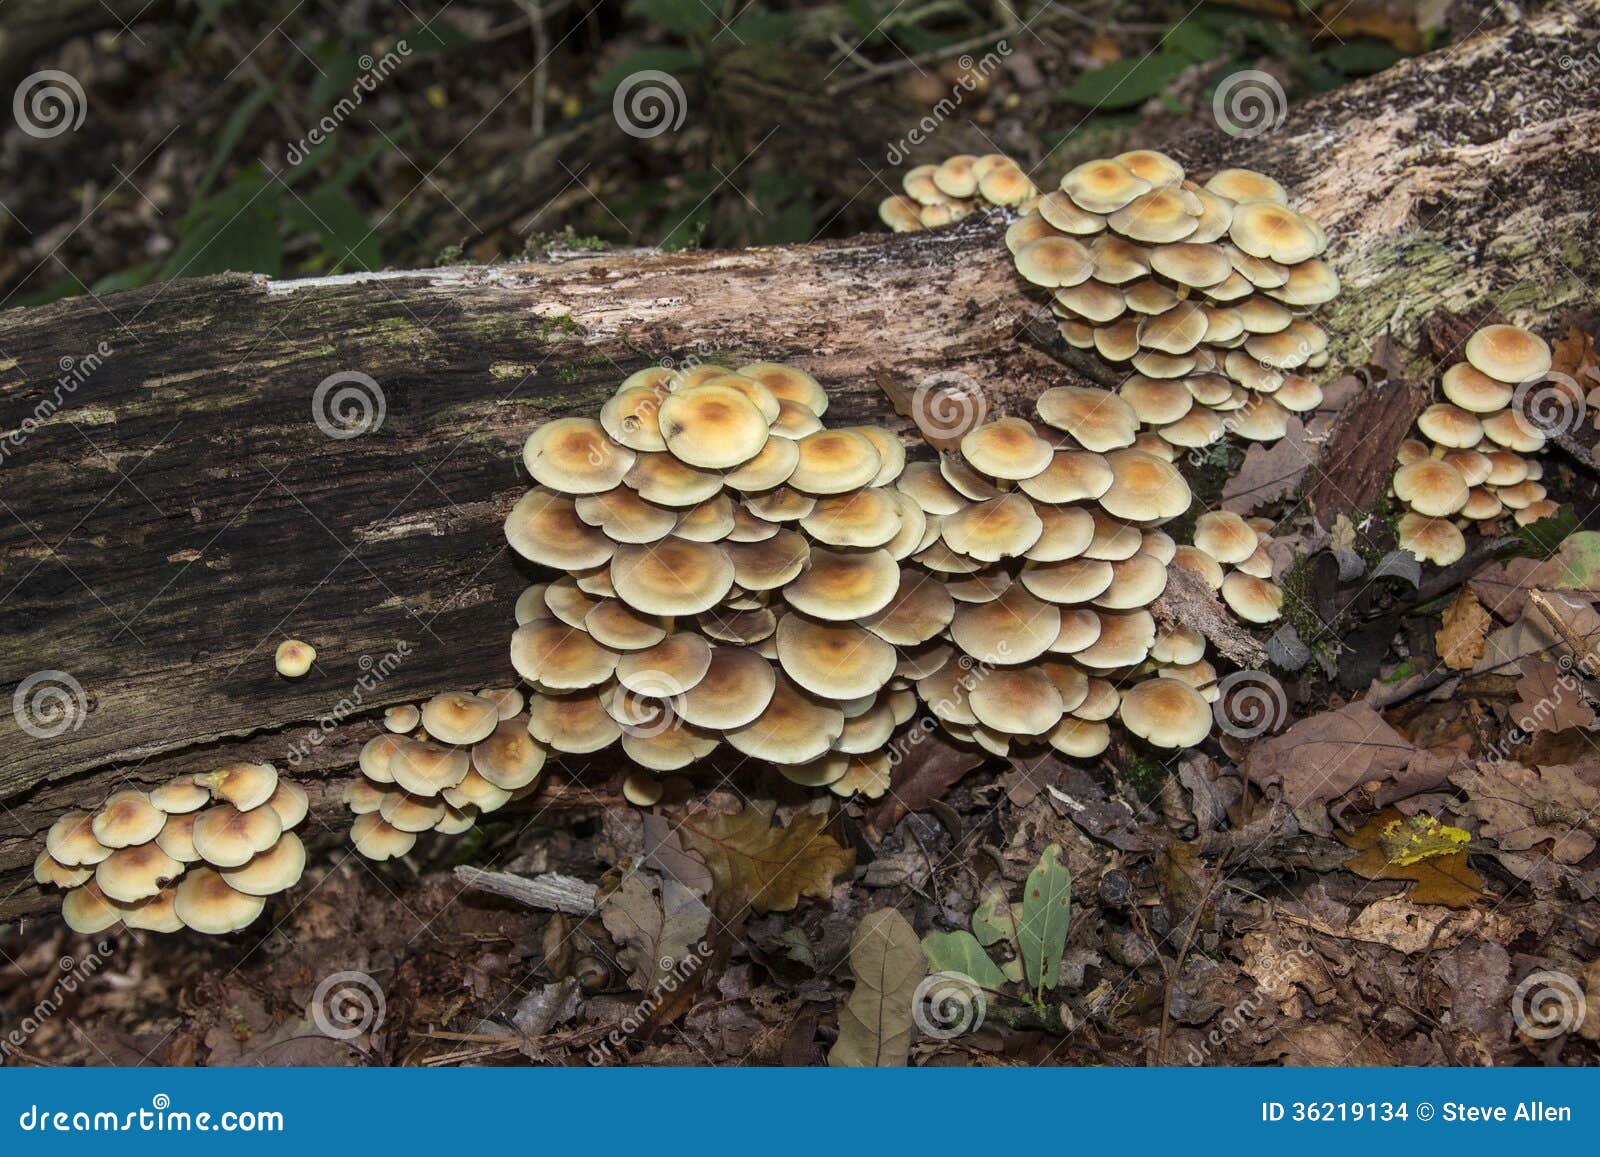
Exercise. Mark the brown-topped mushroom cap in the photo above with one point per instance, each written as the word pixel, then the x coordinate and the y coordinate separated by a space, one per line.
pixel 575 456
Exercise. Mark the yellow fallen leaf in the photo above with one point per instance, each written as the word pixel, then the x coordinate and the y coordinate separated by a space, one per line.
pixel 1461 635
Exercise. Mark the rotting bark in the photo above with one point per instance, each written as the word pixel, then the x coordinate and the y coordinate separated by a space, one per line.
pixel 177 512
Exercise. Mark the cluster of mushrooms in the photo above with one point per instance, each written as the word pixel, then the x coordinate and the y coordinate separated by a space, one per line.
pixel 1473 457
pixel 201 852
pixel 737 572
pixel 941 194
pixel 439 767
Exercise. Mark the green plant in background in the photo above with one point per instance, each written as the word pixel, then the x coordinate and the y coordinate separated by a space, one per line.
pixel 1032 936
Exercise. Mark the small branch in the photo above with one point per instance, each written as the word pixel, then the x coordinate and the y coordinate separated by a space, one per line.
pixel 549 892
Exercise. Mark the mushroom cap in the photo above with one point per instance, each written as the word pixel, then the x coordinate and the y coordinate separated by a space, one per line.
pixel 1144 487
pixel 781 504
pixel 1158 217
pixel 1113 541
pixel 1298 394
pixel 275 870
pixel 1260 419
pixel 1166 712
pixel 544 527
pixel 999 528
pixel 794 421
pixel 1135 582
pixel 1068 531
pixel 575 724
pixel 558 657
pixel 789 383
pixel 861 518
pixel 87 910
pixel 459 718
pixel 679 661
pixel 575 456
pixel 206 902
pixel 1431 487
pixel 617 626
pixel 377 757
pixel 1512 431
pixel 1056 210
pixel 1178 644
pixel 631 417
pixel 920 609
pixel 1098 419
pixel 177 835
pixel 1535 511
pixel 968 483
pixel 833 660
pixel 1010 630
pixel 180 795
pixel 770 466
pixel 136 873
pixel 669 481
pixel 623 516
pixel 641 789
pixel 1505 468
pixel 923 483
pixel 1255 600
pixel 1508 353
pixel 1103 186
pixel 1308 283
pixel 671 577
pixel 1448 425
pixel 1054 262
pixel 1125 639
pixel 293 658
pixel 1199 266
pixel 1246 185
pixel 1005 184
pixel 793 727
pixel 1016 700
pixel 157 914
pixel 1274 231
pixel 1071 476
pixel 1068 581
pixel 834 461
pixel 1473 390
pixel 427 768
pixel 1433 540
pixel 126 818
pixel 713 426
pixel 71 840
pixel 1006 448
pixel 1156 401
pixel 227 837
pixel 1117 260
pixel 1080 627
pixel 1522 495
pixel 1033 226
pixel 1091 300
pixel 735 689
pixel 472 792
pixel 841 586
pixel 509 757
pixel 52 872
pixel 1152 165
pixel 900 213
pixel 1080 738
pixel 244 785
pixel 1197 560
pixel 1225 536
pixel 377 839
pixel 1175 331
pixel 290 802
pixel 1482 505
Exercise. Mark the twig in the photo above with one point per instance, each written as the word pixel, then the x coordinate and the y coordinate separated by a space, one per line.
pixel 549 892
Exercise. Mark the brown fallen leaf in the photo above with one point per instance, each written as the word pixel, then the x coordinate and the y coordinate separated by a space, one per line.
pixel 658 936
pixel 1520 807
pixel 1392 849
pixel 927 767
pixel 944 407
pixel 762 866
pixel 1324 757
pixel 1462 630
pixel 1550 698
pixel 1270 472
pixel 888 964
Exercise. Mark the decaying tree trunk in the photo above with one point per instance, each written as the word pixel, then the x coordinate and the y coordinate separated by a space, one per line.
pixel 173 510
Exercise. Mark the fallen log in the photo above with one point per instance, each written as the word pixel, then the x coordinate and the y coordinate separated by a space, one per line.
pixel 179 495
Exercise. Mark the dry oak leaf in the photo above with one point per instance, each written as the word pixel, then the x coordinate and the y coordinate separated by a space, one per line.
pixel 1326 756
pixel 1520 807
pixel 658 936
pixel 1270 472
pixel 764 866
pixel 1395 847
pixel 887 962
pixel 1411 928
pixel 1462 630
pixel 1550 698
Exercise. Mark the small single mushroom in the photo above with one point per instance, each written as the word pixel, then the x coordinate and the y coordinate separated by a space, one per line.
pixel 792 728
pixel 1246 185
pixel 136 873
pixel 1068 531
pixel 556 657
pixel 294 658
pixel 1054 262
pixel 1159 217
pixel 576 724
pixel 177 837
pixel 713 426
pixel 277 869
pixel 1535 511
pixel 834 660
pixel 1144 488
pixel 1473 390
pixel 1015 628
pixel 87 910
pixel 1274 231
pixel 1098 419
pixel 159 913
pixel 1255 600
pixel 789 383
pixel 244 785
pixel 207 903
pixel 1125 640
pixel 376 839
pixel 126 818
pixel 291 803
pixel 1509 429
pixel 361 796
pixel 1103 186
pixel 51 871
pixel 1135 582
pixel 1225 536
pixel 671 577
pixel 1016 700
pixel 1080 738
pixel 1431 487
pixel 1508 353
pixel 921 608
pixel 862 518
pixel 631 417
pixel 736 688
pixel 1433 540
pixel 377 757
pixel 426 769
pixel 544 527
pixel 227 837
pixel 181 795
pixel 71 840
pixel 1004 527
pixel 1166 712
pixel 576 456
pixel 459 718
pixel 1450 426
pixel 841 586
pixel 641 789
